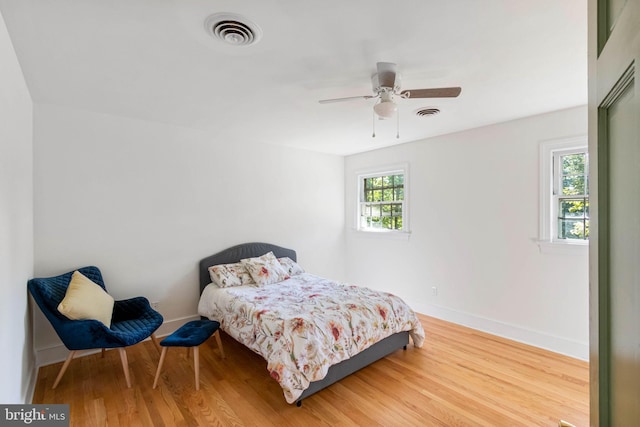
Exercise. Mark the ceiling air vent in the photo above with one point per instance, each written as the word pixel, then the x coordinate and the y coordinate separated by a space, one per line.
pixel 233 29
pixel 424 112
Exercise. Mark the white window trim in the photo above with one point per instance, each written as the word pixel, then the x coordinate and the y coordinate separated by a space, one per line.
pixel 360 175
pixel 547 242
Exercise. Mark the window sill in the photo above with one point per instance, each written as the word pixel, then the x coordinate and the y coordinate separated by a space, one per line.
pixel 394 235
pixel 552 247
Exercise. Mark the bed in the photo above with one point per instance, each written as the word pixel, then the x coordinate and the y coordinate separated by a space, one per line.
pixel 289 350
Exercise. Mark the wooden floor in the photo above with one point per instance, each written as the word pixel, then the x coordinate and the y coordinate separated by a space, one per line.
pixel 461 377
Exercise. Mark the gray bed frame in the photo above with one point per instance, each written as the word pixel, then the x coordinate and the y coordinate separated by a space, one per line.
pixel 336 372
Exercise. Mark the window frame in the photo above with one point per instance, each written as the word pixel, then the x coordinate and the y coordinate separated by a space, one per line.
pixel 550 152
pixel 401 169
pixel 557 185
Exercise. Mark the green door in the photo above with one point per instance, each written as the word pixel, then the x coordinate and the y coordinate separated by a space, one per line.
pixel 614 258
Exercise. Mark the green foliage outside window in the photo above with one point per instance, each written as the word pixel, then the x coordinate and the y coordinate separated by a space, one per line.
pixel 382 202
pixel 573 203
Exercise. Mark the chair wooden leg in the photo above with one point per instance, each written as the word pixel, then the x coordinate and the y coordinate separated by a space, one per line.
pixel 162 355
pixel 103 350
pixel 219 341
pixel 125 365
pixel 64 368
pixel 196 365
pixel 155 342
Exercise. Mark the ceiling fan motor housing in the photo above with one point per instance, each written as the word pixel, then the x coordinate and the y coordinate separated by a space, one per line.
pixel 377 88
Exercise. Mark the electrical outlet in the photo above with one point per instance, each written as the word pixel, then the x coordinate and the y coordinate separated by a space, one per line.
pixel 155 305
pixel 434 291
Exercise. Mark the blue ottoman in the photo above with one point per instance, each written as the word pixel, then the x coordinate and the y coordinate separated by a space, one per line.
pixel 191 334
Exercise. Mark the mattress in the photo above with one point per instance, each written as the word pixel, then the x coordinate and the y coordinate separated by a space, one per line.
pixel 305 324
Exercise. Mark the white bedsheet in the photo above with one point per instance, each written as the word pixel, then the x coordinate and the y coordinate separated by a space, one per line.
pixel 305 324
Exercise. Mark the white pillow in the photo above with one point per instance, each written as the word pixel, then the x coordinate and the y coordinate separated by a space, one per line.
pixel 227 275
pixel 85 299
pixel 265 269
pixel 290 266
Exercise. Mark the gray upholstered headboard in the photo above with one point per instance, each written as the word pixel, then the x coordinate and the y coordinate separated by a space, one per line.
pixel 238 252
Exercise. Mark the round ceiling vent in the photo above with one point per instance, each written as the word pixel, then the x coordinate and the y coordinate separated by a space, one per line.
pixel 424 112
pixel 233 29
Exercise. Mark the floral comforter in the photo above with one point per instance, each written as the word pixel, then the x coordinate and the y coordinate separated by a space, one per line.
pixel 305 324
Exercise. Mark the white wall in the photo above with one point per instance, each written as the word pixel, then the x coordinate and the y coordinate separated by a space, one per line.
pixel 16 226
pixel 146 201
pixel 474 213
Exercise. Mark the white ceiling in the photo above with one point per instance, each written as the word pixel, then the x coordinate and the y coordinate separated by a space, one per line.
pixel 153 60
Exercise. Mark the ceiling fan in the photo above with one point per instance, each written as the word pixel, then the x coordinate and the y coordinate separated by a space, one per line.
pixel 386 87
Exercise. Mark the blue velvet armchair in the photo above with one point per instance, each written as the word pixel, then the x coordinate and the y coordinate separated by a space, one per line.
pixel 133 320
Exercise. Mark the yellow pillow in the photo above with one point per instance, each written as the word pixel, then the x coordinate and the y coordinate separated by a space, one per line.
pixel 86 300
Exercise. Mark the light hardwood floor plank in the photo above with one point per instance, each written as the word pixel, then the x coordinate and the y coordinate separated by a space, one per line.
pixel 461 377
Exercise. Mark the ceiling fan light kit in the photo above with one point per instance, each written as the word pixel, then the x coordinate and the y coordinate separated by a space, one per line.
pixel 386 84
pixel 386 108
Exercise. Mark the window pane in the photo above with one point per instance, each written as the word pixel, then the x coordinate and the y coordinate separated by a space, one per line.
pixel 387 194
pixel 573 184
pixel 386 223
pixel 573 164
pixel 377 195
pixel 368 196
pixel 573 229
pixel 398 194
pixel 364 210
pixel 574 172
pixel 572 208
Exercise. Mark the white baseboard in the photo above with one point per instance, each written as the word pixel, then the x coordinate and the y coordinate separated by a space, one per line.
pixel 568 347
pixel 31 384
pixel 58 353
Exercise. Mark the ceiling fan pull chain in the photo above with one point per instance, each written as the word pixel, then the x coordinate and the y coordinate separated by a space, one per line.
pixel 398 124
pixel 374 125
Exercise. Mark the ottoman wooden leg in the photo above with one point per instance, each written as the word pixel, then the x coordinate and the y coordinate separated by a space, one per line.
pixel 191 334
pixel 156 343
pixel 162 355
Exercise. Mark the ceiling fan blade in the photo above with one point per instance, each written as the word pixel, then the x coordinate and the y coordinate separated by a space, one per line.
pixel 387 74
pixel 438 92
pixel 348 98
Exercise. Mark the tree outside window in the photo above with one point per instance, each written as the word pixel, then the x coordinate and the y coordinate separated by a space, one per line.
pixel 571 194
pixel 382 202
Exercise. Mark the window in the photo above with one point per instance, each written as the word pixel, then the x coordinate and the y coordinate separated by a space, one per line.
pixel 571 194
pixel 564 198
pixel 382 201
